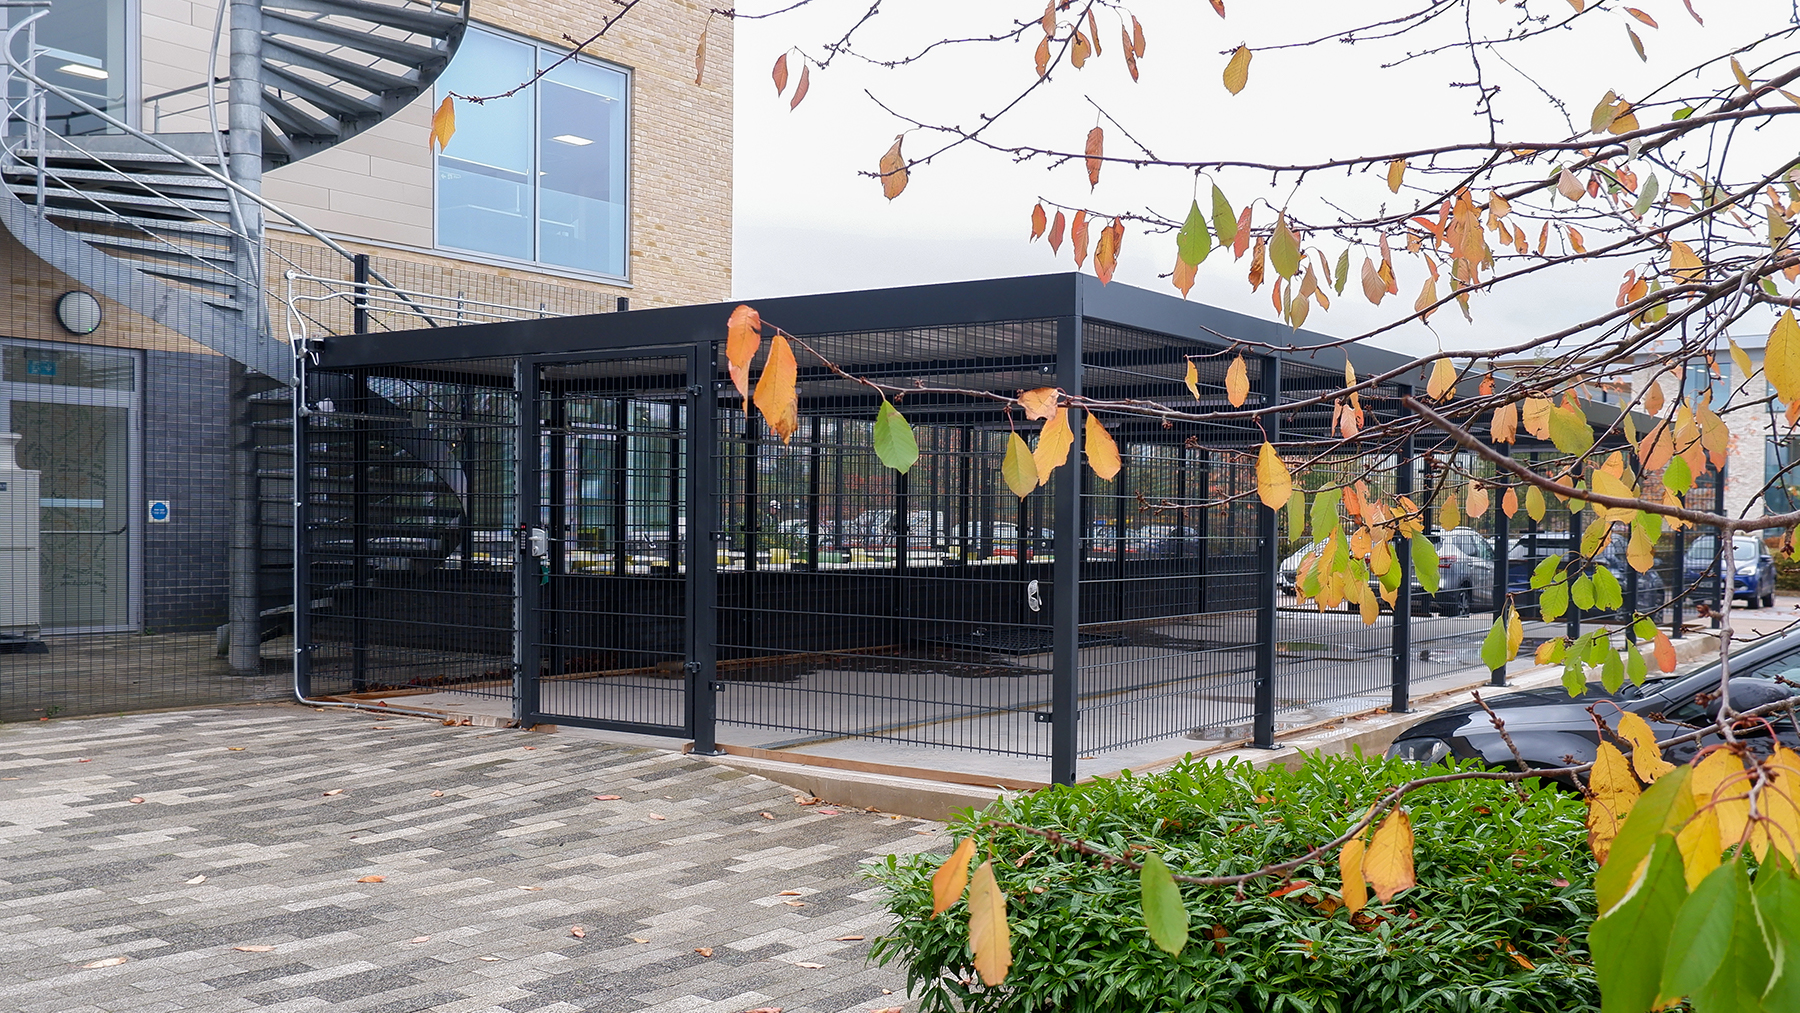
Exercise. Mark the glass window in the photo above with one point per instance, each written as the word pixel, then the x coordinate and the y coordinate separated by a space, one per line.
pixel 82 50
pixel 67 369
pixel 1707 374
pixel 540 175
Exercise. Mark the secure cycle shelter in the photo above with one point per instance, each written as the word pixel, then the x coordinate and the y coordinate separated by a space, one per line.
pixel 577 514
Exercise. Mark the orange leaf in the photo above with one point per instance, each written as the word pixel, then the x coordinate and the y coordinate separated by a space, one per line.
pixel 1509 503
pixel 1038 222
pixel 1056 232
pixel 1093 29
pixel 1237 70
pixel 1137 38
pixel 1095 141
pixel 801 88
pixel 1042 57
pixel 1665 653
pixel 1374 288
pixel 373 879
pixel 776 395
pixel 443 124
pixel 1219 5
pixel 743 336
pixel 1575 240
pixel 1079 49
pixel 1048 21
pixel 1130 51
pixel 1641 16
pixel 1256 265
pixel 1078 237
pixel 893 164
pixel 1102 452
pixel 948 881
pixel 1505 427
pixel 1242 240
pixel 1039 403
pixel 780 74
pixel 1106 252
pixel 1237 382
pixel 1184 276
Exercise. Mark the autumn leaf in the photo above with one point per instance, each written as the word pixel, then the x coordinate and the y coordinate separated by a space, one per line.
pixel 895 443
pixel 893 164
pixel 1646 756
pixel 1665 653
pixel 1078 237
pixel 801 88
pixel 1096 143
pixel 1131 57
pixel 780 73
pixel 1284 250
pixel 1719 784
pixel 1056 232
pixel 1102 452
pixel 1355 892
pixel 1237 70
pixel 988 935
pixel 1054 441
pixel 1137 38
pixel 1273 482
pixel 1041 58
pixel 372 879
pixel 1224 219
pixel 1182 277
pixel 1505 427
pixel 1017 469
pixel 1038 404
pixel 700 57
pixel 1388 863
pixel 1039 222
pixel 1242 242
pixel 1106 251
pixel 443 124
pixel 776 395
pixel 1567 186
pixel 1192 380
pixel 1237 382
pixel 1256 263
pixel 1396 173
pixel 1781 359
pixel 1477 501
pixel 1612 792
pixel 743 336
pixel 948 881
pixel 1079 49
pixel 1441 385
pixel 1373 286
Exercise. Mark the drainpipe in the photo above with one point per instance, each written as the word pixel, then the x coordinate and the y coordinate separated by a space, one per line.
pixel 244 165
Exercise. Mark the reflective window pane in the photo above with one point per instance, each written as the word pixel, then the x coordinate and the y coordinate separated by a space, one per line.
pixel 67 369
pixel 581 167
pixel 484 175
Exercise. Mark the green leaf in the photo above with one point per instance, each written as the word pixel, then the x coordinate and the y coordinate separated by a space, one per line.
pixel 1193 243
pixel 1607 592
pixel 1647 196
pixel 1574 675
pixel 1553 601
pixel 1598 647
pixel 1778 900
pixel 1224 219
pixel 1683 113
pixel 1545 571
pixel 1768 285
pixel 1663 809
pixel 1635 667
pixel 1391 579
pixel 1296 513
pixel 1742 976
pixel 1678 476
pixel 1493 649
pixel 1612 671
pixel 1425 563
pixel 1164 915
pixel 1628 942
pixel 1325 513
pixel 1343 272
pixel 1702 934
pixel 1582 592
pixel 1284 250
pixel 1570 431
pixel 894 441
pixel 1595 533
pixel 1645 628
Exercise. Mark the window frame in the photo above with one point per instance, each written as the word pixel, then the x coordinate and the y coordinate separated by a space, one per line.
pixel 541 49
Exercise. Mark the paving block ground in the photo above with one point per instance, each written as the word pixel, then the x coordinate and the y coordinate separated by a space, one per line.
pixel 225 854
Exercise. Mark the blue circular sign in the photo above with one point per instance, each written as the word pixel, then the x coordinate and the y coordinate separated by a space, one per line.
pixel 159 511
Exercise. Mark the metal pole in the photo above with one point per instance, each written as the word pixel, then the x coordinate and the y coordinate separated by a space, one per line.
pixel 1502 576
pixel 302 540
pixel 361 594
pixel 1401 675
pixel 359 303
pixel 1725 570
pixel 703 550
pixel 1065 603
pixel 245 96
pixel 525 566
pixel 1268 565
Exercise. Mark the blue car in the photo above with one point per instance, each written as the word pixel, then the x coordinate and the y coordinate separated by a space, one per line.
pixel 1753 566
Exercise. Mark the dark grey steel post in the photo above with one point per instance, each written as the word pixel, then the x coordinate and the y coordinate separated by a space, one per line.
pixel 1724 555
pixel 1677 583
pixel 702 550
pixel 814 460
pixel 1401 675
pixel 359 302
pixel 361 576
pixel 302 544
pixel 525 565
pixel 1268 564
pixel 1502 576
pixel 1065 604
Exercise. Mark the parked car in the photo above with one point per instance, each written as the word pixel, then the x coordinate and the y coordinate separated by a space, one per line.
pixel 1553 729
pixel 1753 566
pixel 1523 557
pixel 1465 573
pixel 1001 538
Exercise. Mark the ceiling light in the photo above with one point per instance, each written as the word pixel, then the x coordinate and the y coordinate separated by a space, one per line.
pixel 83 70
pixel 572 139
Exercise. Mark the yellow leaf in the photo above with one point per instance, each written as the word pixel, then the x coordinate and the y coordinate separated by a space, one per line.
pixel 1505 427
pixel 1640 552
pixel 1053 445
pixel 948 881
pixel 893 164
pixel 1537 417
pixel 1515 632
pixel 1018 469
pixel 1605 484
pixel 1237 382
pixel 1102 452
pixel 776 395
pixel 1039 404
pixel 1192 379
pixel 1546 651
pixel 1388 864
pixel 1741 359
pixel 1273 483
pixel 1737 71
pixel 743 336
pixel 1427 299
pixel 1396 174
pixel 1448 515
pixel 1698 843
pixel 1719 783
pixel 1534 503
pixel 1781 359
pixel 1646 756
pixel 1781 802
pixel 1350 864
pixel 1442 380
pixel 989 939
pixel 443 124
pixel 1613 791
pixel 1237 70
pixel 1684 263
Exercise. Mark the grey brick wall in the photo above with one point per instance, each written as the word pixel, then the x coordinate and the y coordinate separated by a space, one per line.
pixel 187 461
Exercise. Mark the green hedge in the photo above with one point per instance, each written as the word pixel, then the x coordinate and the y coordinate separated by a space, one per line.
pixel 1498 866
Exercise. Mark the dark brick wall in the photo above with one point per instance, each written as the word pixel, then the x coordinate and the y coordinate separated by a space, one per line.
pixel 187 461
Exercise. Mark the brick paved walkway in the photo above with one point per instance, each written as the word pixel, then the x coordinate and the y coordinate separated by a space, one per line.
pixel 221 853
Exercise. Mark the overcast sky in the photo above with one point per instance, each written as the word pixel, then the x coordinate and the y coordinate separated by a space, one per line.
pixel 806 222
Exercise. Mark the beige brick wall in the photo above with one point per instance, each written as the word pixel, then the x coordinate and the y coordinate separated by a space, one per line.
pixel 29 308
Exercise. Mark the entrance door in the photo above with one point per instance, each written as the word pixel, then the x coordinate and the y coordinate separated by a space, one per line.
pixel 611 593
pixel 76 411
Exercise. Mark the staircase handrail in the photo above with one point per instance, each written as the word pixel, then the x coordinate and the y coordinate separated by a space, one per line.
pixel 13 64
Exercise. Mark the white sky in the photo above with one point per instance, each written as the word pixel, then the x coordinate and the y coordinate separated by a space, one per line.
pixel 806 222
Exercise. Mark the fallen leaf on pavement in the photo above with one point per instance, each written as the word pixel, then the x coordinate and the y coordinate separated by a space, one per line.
pixel 334 791
pixel 828 812
pixel 254 949
pixel 578 932
pixel 807 800
pixel 790 893
pixel 529 748
pixel 764 1009
pixel 658 816
pixel 106 962
pixel 637 940
pixel 794 903
pixel 490 958
pixel 373 879
pixel 531 888
pixel 84 760
pixel 890 1009
pixel 196 879
pixel 849 939
pixel 234 749
pixel 808 963
pixel 437 794
pixel 704 951
pixel 382 728
pixel 607 798
pixel 137 800
pixel 768 816
pixel 419 939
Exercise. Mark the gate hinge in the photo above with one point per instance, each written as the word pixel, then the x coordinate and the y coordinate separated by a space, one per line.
pixel 695 390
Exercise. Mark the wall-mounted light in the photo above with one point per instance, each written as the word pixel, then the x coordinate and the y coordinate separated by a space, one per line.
pixel 573 140
pixel 78 312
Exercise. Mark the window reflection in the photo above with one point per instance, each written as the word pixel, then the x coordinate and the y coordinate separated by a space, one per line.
pixel 82 50
pixel 484 176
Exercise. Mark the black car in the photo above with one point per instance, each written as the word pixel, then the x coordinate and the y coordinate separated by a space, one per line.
pixel 1553 729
